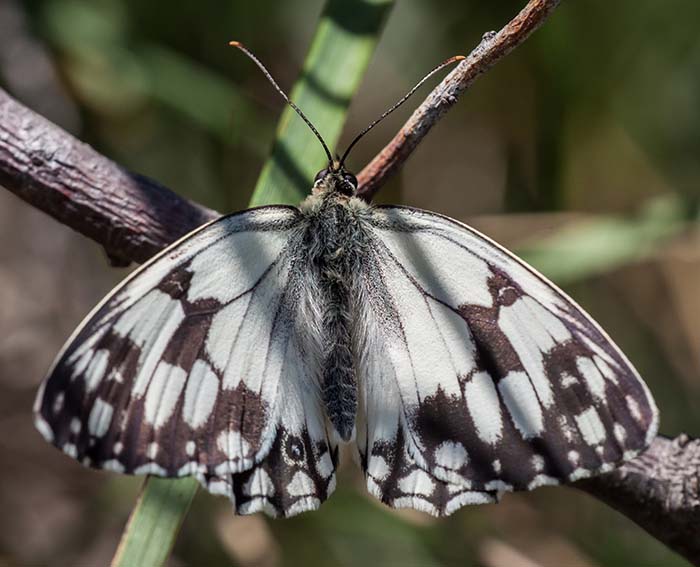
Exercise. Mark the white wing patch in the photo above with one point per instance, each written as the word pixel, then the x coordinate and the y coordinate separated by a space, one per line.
pixel 481 398
pixel 178 372
pixel 201 392
pixel 521 401
pixel 533 331
pixel 163 393
pixel 225 328
pixel 463 279
pixel 100 418
pixel 244 249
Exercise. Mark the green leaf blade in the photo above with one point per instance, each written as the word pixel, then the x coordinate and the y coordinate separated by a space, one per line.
pixel 345 39
pixel 155 521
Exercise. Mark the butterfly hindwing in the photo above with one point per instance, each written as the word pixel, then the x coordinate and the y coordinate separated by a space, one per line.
pixel 501 381
pixel 299 470
pixel 192 366
pixel 393 476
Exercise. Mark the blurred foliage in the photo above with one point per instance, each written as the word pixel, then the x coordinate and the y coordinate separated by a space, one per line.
pixel 580 150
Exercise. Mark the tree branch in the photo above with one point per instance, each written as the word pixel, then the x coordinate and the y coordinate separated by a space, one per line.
pixel 490 50
pixel 660 491
pixel 130 215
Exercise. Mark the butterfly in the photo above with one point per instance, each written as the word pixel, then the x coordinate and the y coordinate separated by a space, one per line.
pixel 247 352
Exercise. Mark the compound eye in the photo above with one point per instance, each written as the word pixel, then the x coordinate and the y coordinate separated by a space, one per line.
pixel 350 178
pixel 320 175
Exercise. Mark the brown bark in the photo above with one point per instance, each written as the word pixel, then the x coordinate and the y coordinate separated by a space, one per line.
pixel 130 215
pixel 660 491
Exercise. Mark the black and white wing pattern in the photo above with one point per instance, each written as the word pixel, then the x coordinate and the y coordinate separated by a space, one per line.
pixel 193 366
pixel 479 375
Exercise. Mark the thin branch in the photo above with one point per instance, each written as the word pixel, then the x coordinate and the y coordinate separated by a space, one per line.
pixel 492 48
pixel 130 215
pixel 660 491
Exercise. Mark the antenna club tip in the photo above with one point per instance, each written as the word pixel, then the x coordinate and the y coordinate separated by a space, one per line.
pixel 235 43
pixel 460 57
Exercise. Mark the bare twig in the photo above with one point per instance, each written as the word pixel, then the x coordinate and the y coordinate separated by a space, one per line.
pixel 660 491
pixel 490 50
pixel 130 215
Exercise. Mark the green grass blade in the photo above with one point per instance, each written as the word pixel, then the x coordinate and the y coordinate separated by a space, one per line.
pixel 340 51
pixel 155 521
pixel 344 42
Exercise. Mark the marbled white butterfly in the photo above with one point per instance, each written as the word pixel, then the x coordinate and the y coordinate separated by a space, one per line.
pixel 247 351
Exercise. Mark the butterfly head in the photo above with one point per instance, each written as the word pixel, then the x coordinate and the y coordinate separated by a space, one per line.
pixel 335 179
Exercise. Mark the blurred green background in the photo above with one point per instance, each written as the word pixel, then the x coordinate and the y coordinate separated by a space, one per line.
pixel 580 151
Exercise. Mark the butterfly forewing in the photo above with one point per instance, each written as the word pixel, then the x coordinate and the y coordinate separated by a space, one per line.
pixel 482 376
pixel 193 366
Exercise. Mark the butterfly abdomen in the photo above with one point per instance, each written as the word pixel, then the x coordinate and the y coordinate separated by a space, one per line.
pixel 333 251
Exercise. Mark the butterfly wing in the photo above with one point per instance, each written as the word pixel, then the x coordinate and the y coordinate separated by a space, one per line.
pixel 502 381
pixel 194 366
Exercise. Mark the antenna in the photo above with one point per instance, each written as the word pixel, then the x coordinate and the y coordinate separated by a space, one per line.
pixel 245 50
pixel 399 103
